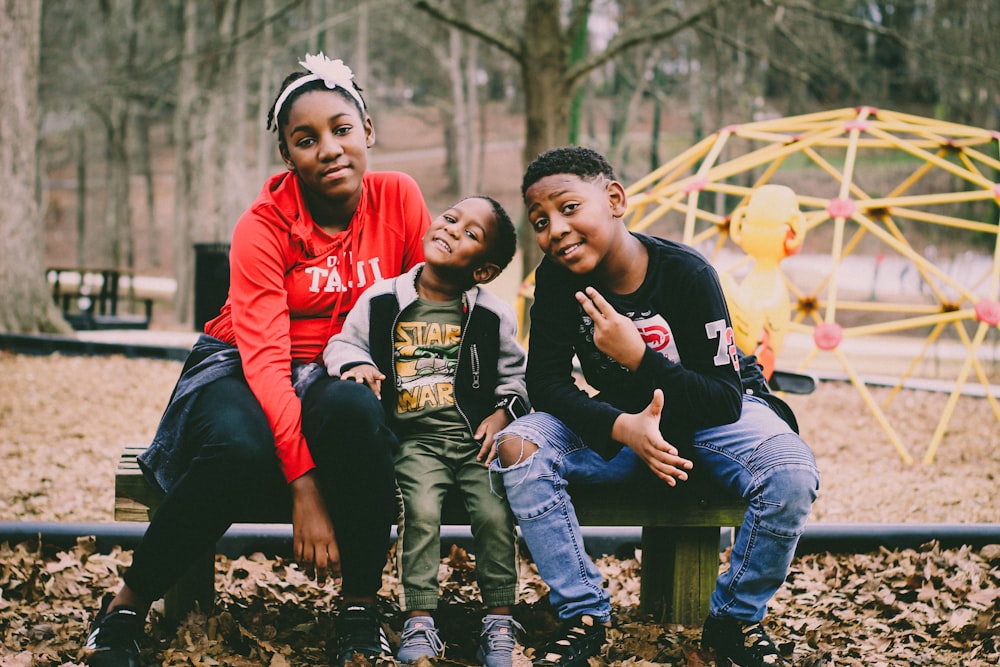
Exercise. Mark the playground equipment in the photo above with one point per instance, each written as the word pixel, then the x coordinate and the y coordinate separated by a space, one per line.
pixel 768 229
pixel 869 183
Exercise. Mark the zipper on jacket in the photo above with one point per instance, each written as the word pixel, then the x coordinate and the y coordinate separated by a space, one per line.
pixel 474 355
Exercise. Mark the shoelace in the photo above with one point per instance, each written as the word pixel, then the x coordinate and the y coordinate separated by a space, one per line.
pixel 499 632
pixel 422 635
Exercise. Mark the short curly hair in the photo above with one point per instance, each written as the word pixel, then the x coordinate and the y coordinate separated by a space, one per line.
pixel 506 240
pixel 583 162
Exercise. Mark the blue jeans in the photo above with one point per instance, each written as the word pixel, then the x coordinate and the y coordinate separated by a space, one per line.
pixel 759 457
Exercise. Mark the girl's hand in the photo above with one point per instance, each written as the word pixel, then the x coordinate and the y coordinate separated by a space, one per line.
pixel 487 431
pixel 614 334
pixel 313 542
pixel 368 375
pixel 641 433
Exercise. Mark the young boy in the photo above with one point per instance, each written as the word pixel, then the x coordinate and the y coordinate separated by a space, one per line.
pixel 456 378
pixel 648 322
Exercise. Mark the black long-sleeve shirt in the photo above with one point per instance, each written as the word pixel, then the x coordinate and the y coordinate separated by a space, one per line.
pixel 690 353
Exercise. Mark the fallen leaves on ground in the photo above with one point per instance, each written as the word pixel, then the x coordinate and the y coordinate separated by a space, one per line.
pixel 927 606
pixel 64 421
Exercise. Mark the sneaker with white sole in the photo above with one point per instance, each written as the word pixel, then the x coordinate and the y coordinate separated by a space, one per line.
pixel 740 643
pixel 360 636
pixel 114 637
pixel 497 640
pixel 420 639
pixel 581 639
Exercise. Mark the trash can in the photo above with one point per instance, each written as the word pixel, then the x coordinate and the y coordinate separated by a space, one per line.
pixel 211 281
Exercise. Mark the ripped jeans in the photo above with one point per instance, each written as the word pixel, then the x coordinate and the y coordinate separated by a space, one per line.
pixel 759 457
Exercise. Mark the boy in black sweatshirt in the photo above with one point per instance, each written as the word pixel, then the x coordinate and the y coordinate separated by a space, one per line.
pixel 647 319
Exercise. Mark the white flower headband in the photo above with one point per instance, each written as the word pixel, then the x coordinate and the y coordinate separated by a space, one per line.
pixel 333 73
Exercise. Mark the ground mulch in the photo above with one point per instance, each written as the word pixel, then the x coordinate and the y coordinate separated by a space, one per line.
pixel 64 420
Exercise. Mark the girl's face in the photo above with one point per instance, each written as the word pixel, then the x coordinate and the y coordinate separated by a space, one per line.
pixel 326 144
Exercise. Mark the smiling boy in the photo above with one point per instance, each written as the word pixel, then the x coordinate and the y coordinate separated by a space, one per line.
pixel 647 319
pixel 456 377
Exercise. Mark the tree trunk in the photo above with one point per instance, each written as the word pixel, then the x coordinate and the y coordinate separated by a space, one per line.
pixel 218 121
pixel 185 191
pixel 118 214
pixel 232 186
pixel 26 306
pixel 624 116
pixel 546 98
pixel 360 64
pixel 144 159
pixel 81 195
pixel 458 159
pixel 265 144
pixel 473 179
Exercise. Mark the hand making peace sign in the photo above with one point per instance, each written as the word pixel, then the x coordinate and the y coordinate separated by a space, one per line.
pixel 614 334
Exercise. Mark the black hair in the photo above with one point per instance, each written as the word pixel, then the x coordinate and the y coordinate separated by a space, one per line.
pixel 583 162
pixel 506 243
pixel 281 121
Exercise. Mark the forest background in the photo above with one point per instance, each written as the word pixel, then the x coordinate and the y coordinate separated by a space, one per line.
pixel 133 129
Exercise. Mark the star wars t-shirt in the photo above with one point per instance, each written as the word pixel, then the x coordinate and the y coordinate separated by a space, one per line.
pixel 427 338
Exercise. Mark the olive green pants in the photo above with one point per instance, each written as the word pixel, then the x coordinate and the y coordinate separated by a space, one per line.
pixel 426 470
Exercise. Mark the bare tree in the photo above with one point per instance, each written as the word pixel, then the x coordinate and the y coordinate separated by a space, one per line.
pixel 26 306
pixel 186 203
pixel 542 50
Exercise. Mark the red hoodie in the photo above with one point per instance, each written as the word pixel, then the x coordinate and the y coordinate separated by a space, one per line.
pixel 288 278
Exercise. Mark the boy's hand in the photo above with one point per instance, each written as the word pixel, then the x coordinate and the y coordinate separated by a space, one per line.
pixel 313 542
pixel 641 433
pixel 487 431
pixel 366 374
pixel 614 334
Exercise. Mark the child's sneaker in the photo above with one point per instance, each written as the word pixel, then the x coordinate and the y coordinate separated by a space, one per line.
pixel 582 638
pixel 740 643
pixel 497 640
pixel 360 634
pixel 114 637
pixel 419 639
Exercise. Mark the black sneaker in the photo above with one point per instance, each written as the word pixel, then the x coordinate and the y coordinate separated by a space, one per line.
pixel 740 643
pixel 114 637
pixel 581 639
pixel 360 637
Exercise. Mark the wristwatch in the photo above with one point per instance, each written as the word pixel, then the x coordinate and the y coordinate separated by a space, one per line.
pixel 513 405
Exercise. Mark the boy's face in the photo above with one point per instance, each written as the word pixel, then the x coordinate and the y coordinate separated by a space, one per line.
pixel 461 238
pixel 576 220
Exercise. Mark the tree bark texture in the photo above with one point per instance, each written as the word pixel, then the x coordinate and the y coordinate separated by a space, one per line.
pixel 26 306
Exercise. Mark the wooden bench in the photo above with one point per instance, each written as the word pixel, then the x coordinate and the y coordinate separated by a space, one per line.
pixel 680 538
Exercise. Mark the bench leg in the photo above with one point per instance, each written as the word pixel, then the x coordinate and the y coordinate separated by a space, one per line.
pixel 197 585
pixel 679 569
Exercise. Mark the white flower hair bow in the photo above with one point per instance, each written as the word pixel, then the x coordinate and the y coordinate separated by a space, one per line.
pixel 333 74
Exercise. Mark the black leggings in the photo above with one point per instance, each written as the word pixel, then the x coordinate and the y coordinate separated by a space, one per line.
pixel 234 476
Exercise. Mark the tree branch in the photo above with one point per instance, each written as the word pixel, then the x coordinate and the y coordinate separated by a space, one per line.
pixel 798 73
pixel 976 64
pixel 442 13
pixel 578 15
pixel 638 32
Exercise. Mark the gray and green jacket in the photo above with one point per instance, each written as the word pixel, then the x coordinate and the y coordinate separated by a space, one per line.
pixel 491 362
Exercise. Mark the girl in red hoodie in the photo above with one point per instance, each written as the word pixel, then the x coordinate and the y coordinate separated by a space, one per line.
pixel 253 424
